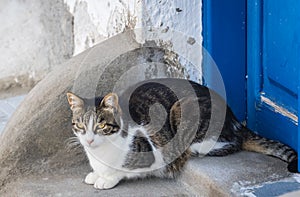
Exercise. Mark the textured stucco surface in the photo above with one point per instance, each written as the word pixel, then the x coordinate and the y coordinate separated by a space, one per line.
pixel 37 35
pixel 34 36
pixel 92 26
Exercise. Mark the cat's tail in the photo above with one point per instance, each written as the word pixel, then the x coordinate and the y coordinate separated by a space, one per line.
pixel 255 143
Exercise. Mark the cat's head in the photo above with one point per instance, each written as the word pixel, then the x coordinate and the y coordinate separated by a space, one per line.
pixel 92 123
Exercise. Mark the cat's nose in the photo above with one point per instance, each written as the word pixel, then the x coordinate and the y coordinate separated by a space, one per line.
pixel 90 141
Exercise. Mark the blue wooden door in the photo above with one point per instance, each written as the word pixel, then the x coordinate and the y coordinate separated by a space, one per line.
pixel 224 37
pixel 273 60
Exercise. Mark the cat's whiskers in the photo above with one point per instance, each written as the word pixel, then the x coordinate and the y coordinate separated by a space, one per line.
pixel 72 144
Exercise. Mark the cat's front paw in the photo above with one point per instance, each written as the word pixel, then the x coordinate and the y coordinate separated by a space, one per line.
pixel 104 183
pixel 91 178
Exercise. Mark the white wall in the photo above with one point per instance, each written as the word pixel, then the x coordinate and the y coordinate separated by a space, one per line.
pixel 95 21
pixel 36 35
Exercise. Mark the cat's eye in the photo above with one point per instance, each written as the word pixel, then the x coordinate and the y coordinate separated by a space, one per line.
pixel 80 125
pixel 101 125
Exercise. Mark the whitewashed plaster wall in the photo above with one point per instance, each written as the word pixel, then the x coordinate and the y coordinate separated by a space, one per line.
pixel 96 20
pixel 34 35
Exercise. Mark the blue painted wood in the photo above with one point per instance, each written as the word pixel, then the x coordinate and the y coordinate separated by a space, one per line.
pixel 298 148
pixel 298 136
pixel 273 57
pixel 281 51
pixel 275 126
pixel 254 59
pixel 224 37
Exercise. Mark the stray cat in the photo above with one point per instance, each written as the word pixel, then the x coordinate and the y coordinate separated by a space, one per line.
pixel 124 138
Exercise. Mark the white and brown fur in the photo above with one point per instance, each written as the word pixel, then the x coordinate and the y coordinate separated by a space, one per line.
pixel 120 142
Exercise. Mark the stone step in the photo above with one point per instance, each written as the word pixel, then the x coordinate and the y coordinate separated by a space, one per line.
pixel 73 186
pixel 240 174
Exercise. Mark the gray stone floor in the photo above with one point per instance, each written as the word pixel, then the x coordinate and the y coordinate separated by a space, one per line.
pixel 7 108
pixel 73 186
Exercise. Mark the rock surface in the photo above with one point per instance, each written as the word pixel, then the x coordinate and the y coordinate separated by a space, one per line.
pixel 71 184
pixel 34 139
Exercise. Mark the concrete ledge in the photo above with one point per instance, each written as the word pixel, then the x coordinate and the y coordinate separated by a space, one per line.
pixel 71 184
pixel 241 174
pixel 236 175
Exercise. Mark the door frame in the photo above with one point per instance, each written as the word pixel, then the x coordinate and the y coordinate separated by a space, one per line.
pixel 224 37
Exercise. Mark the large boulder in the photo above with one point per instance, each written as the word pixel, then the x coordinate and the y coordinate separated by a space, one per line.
pixel 34 140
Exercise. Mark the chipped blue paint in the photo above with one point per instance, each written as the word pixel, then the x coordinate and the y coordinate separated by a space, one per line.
pixel 273 59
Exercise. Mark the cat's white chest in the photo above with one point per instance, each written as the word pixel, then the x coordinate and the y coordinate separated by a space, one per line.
pixel 108 157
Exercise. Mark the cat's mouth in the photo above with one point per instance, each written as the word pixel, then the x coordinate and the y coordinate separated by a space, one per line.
pixel 92 142
pixel 93 145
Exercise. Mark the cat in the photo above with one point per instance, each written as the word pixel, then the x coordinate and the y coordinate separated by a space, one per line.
pixel 124 137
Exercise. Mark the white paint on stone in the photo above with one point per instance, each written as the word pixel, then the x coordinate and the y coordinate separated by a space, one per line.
pixel 95 21
pixel 181 16
pixel 178 22
pixel 34 36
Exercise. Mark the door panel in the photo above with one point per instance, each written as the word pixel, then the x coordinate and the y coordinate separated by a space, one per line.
pixel 273 36
pixel 281 51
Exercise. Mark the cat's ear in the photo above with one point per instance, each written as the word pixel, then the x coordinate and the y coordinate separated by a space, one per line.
pixel 76 103
pixel 111 100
